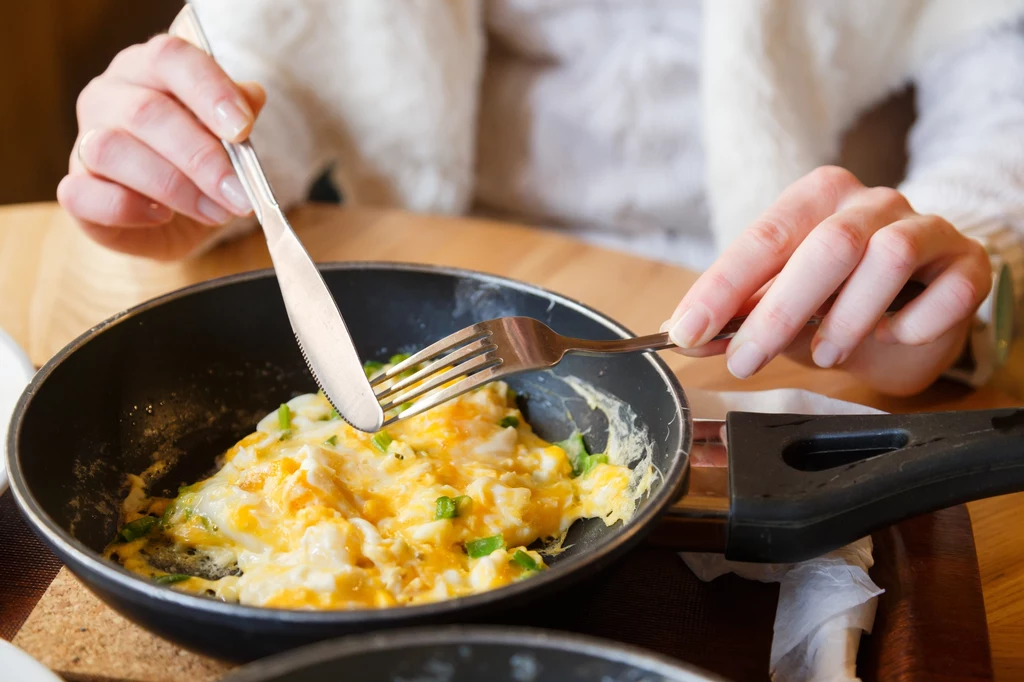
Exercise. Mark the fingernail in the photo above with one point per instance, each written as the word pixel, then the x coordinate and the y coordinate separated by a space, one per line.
pixel 746 360
pixel 690 327
pixel 233 117
pixel 231 189
pixel 825 354
pixel 212 210
pixel 81 146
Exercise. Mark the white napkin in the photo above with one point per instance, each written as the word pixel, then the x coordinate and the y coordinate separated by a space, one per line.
pixel 824 603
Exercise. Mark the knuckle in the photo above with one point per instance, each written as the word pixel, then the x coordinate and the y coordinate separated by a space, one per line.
pixel 204 159
pixel 719 281
pixel 841 329
pixel 779 323
pixel 128 55
pixel 887 199
pixel 148 108
pixel 212 85
pixel 770 238
pixel 165 47
pixel 114 208
pixel 966 291
pixel 897 249
pixel 834 180
pixel 85 98
pixel 171 184
pixel 841 243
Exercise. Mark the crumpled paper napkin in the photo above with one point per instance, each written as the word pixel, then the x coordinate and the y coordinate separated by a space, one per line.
pixel 824 603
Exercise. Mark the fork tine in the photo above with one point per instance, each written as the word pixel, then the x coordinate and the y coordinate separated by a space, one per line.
pixel 450 342
pixel 469 367
pixel 457 389
pixel 464 353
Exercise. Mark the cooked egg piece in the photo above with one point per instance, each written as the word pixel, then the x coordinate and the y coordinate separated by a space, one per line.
pixel 320 516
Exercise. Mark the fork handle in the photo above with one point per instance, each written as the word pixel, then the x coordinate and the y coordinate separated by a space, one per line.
pixel 661 341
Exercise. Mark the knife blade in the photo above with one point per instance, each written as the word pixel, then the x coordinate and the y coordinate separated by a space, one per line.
pixel 320 331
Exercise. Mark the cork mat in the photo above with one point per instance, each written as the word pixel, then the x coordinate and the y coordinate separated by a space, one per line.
pixel 724 626
pixel 76 635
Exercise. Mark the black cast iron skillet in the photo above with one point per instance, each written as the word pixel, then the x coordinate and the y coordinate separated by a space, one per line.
pixel 477 654
pixel 185 376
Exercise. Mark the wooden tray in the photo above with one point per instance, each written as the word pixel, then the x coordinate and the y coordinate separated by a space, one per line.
pixel 930 623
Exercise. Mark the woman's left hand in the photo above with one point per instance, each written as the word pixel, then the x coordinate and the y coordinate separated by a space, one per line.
pixel 825 232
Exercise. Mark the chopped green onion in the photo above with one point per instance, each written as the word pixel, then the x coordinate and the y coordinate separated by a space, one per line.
pixel 183 489
pixel 285 435
pixel 137 528
pixel 463 505
pixel 576 451
pixel 404 406
pixel 169 512
pixel 592 461
pixel 371 367
pixel 525 561
pixel 508 421
pixel 399 357
pixel 284 417
pixel 511 395
pixel 382 439
pixel 171 578
pixel 334 414
pixel 207 524
pixel 484 546
pixel 445 508
pixel 333 440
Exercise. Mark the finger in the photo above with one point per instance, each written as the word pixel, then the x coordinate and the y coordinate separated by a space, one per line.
pixel 816 270
pixel 178 68
pixel 758 254
pixel 165 126
pixel 949 300
pixel 255 94
pixel 719 346
pixel 91 199
pixel 168 242
pixel 705 350
pixel 117 156
pixel 893 255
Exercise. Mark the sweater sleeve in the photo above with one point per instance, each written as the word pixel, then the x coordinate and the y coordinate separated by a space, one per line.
pixel 966 150
pixel 383 93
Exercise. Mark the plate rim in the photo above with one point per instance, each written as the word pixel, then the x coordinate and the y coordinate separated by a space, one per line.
pixel 18 354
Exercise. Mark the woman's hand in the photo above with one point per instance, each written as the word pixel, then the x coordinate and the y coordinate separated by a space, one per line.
pixel 825 232
pixel 148 174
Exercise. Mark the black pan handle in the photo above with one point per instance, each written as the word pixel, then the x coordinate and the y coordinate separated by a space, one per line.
pixel 801 485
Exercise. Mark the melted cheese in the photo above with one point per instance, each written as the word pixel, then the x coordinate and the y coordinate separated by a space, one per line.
pixel 317 516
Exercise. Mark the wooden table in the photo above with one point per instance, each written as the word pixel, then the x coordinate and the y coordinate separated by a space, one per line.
pixel 54 284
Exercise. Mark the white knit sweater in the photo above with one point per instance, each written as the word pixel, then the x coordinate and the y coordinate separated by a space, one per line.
pixel 662 126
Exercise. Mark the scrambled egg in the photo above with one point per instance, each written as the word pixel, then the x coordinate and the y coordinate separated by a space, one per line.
pixel 310 513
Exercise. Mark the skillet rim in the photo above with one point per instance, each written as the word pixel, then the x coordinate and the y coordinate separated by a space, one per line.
pixel 396 641
pixel 134 588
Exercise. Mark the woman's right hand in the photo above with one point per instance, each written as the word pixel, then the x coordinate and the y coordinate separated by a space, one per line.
pixel 148 174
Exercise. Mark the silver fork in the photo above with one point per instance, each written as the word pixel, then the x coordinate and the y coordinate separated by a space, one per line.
pixel 498 348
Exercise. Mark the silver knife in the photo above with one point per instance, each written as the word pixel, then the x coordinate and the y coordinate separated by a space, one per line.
pixel 323 338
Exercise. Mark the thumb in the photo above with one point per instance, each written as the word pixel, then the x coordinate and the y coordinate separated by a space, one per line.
pixel 255 95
